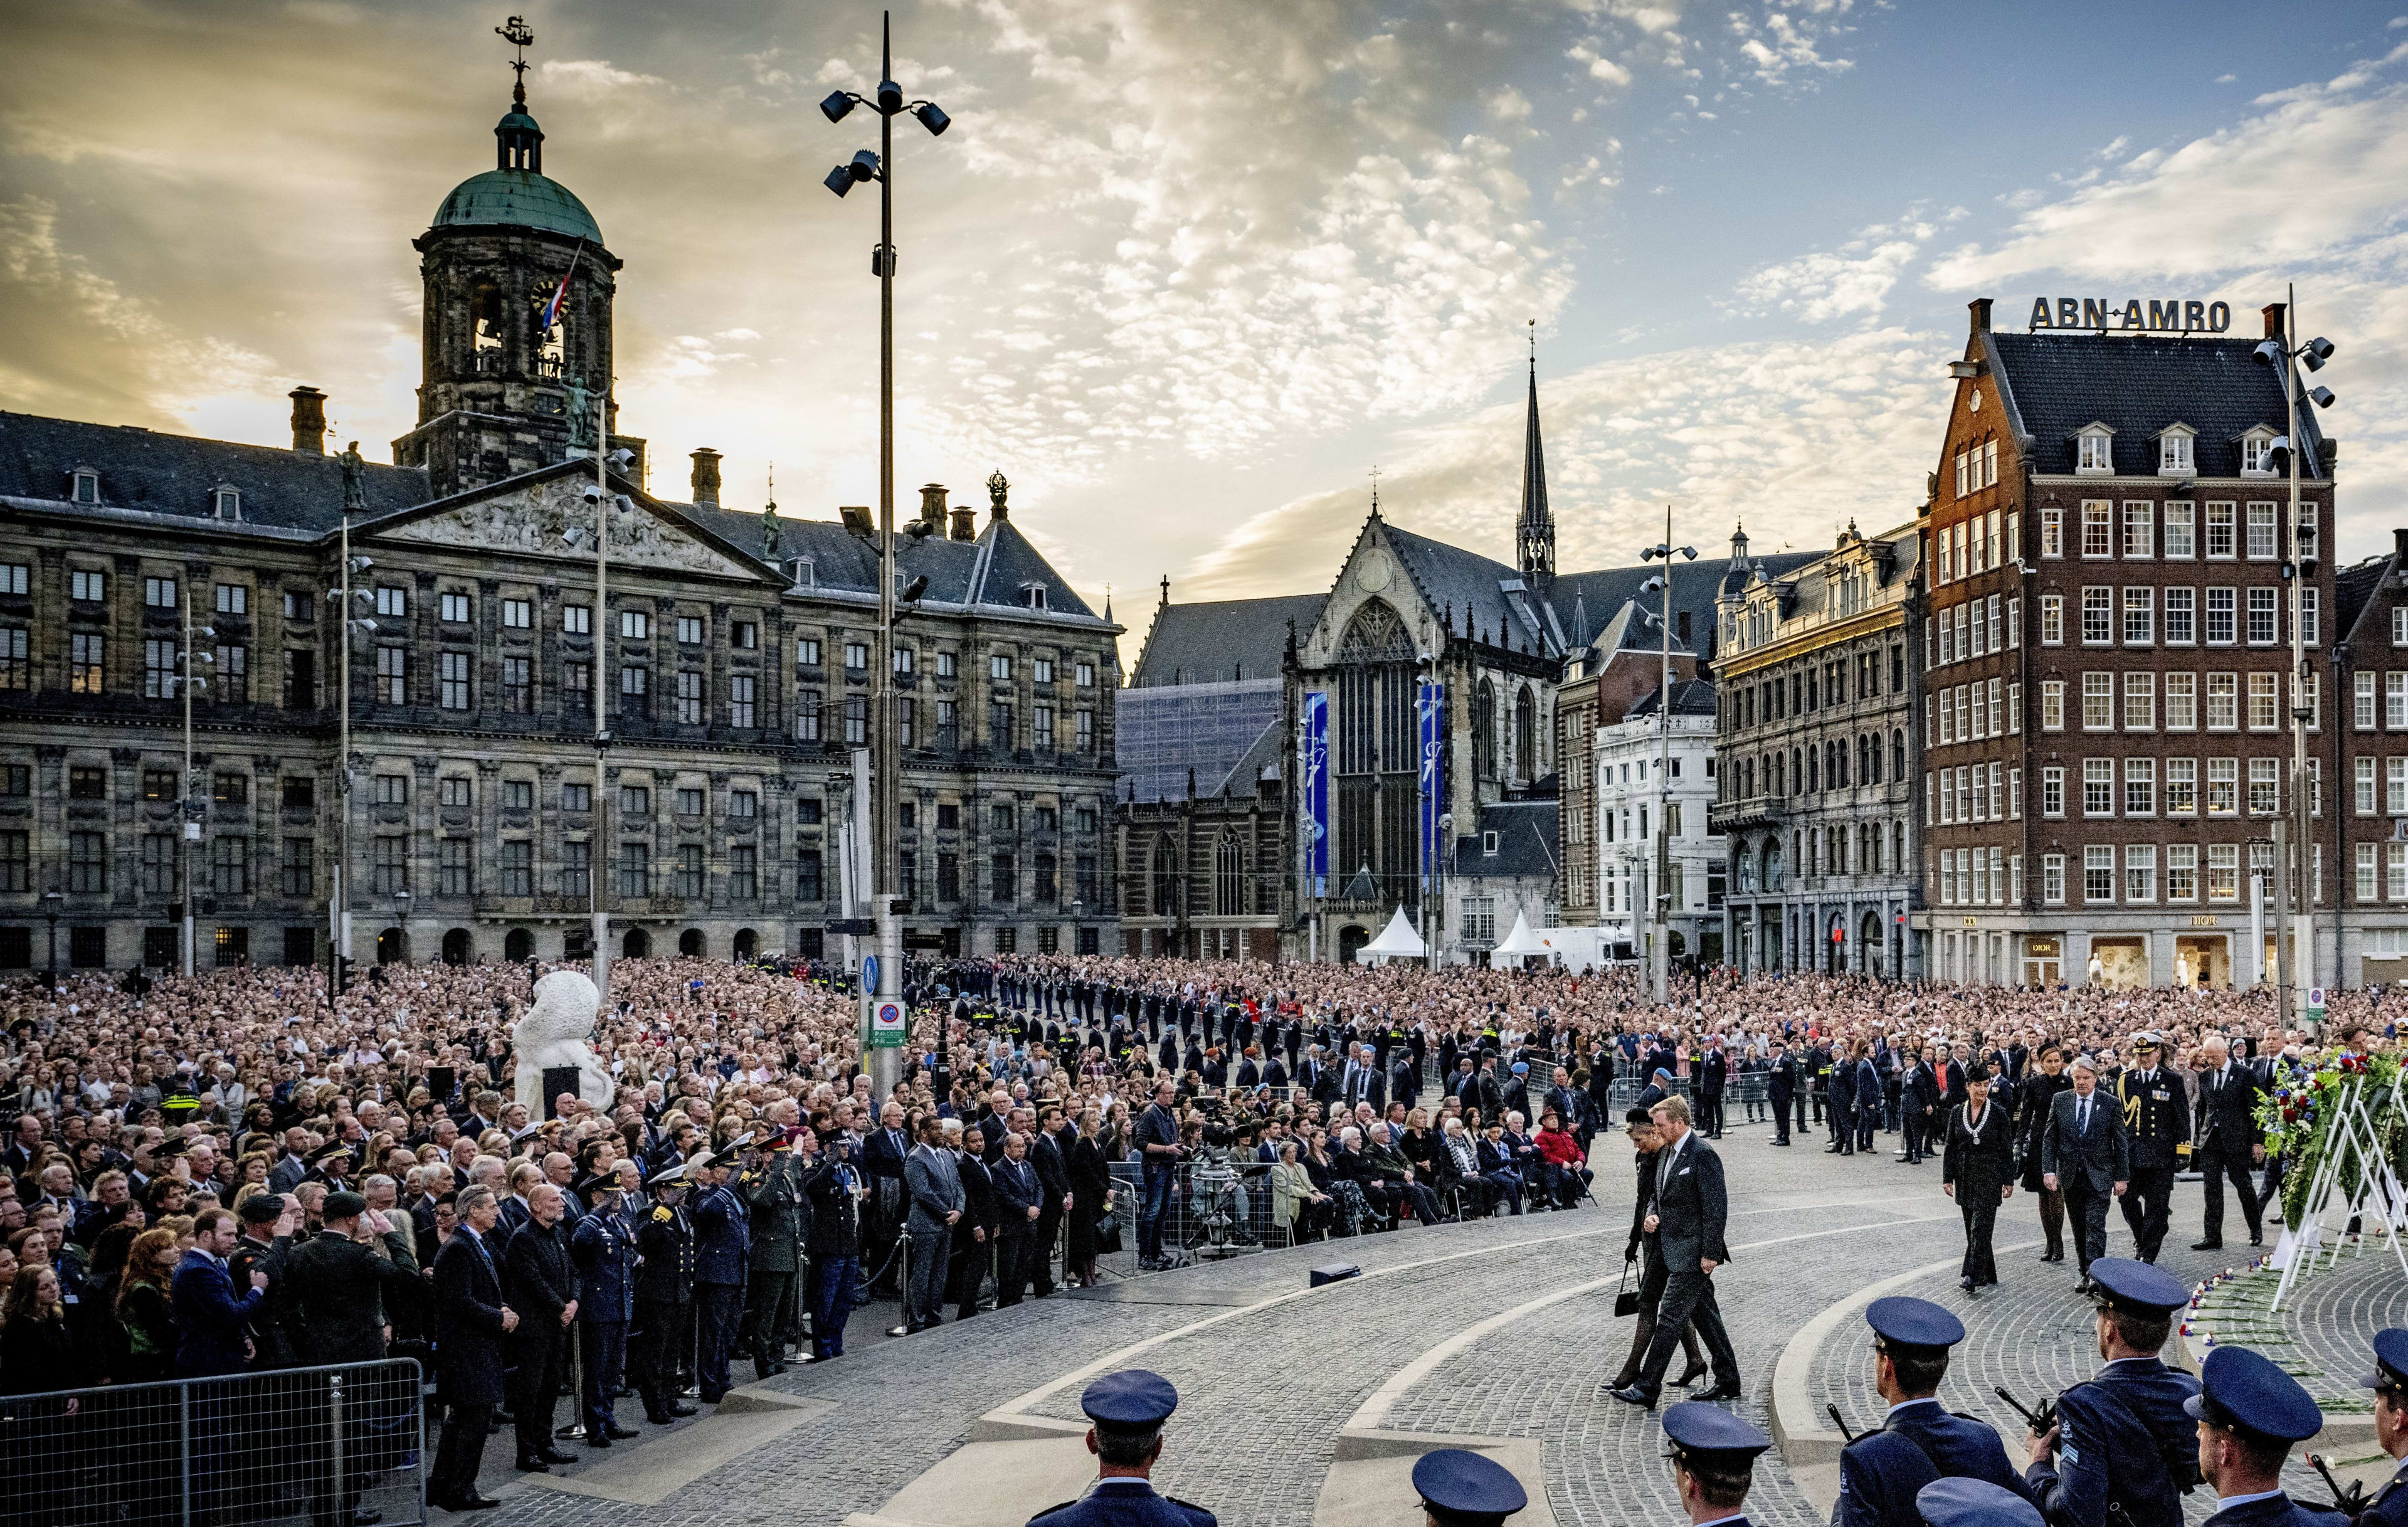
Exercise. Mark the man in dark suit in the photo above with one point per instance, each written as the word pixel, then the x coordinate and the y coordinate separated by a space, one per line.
pixel 336 1289
pixel 1360 1081
pixel 538 1278
pixel 2085 1154
pixel 210 1319
pixel 1019 1211
pixel 1919 1111
pixel 1714 1070
pixel 2157 1117
pixel 1691 1208
pixel 2227 1142
pixel 1780 1086
pixel 883 1152
pixel 1049 1157
pixel 471 1321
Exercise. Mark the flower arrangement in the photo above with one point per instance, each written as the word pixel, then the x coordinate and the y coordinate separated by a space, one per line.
pixel 2298 1114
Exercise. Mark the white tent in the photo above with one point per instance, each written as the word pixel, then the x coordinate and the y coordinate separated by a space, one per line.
pixel 1520 943
pixel 1398 940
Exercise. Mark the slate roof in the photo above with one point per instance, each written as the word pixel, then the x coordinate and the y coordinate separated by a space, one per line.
pixel 1695 588
pixel 994 571
pixel 1637 628
pixel 1223 640
pixel 1525 842
pixel 1690 696
pixel 2354 590
pixel 2056 384
pixel 180 474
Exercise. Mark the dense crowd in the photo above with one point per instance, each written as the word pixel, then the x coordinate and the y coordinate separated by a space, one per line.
pixel 176 1148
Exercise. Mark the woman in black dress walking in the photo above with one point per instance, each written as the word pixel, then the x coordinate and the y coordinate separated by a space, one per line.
pixel 1978 1170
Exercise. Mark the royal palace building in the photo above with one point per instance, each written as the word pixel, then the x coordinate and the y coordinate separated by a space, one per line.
pixel 472 817
pixel 2106 651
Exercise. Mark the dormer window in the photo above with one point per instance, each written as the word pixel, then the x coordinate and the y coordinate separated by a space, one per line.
pixel 1035 596
pixel 2258 452
pixel 228 500
pixel 2094 450
pixel 87 486
pixel 2174 455
pixel 1488 842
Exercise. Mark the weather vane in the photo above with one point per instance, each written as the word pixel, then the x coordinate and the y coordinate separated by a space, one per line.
pixel 519 35
pixel 1375 487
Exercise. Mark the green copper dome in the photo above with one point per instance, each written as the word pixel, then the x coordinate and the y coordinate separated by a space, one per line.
pixel 517 199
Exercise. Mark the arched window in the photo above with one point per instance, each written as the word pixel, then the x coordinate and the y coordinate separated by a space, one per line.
pixel 1525 735
pixel 1228 875
pixel 1376 760
pixel 1164 865
pixel 1813 771
pixel 1772 863
pixel 1483 731
pixel 1897 753
pixel 1797 771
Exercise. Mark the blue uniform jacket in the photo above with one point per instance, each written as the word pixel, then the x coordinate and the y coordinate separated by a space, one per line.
pixel 1882 1481
pixel 2389 1508
pixel 604 1250
pixel 2104 1454
pixel 1122 1501
pixel 1879 1475
pixel 2155 1394
pixel 2274 1511
pixel 722 1237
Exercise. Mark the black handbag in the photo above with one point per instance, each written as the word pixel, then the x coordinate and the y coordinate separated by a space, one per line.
pixel 1626 1298
pixel 1108 1233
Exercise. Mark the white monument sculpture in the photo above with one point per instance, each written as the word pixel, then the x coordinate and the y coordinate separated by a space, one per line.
pixel 552 1033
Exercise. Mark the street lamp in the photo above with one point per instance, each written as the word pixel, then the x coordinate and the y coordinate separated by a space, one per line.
pixel 1660 959
pixel 339 928
pixel 885 1065
pixel 2297 943
pixel 50 900
pixel 192 804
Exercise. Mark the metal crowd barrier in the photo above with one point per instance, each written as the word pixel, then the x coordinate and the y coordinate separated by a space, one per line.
pixel 294 1444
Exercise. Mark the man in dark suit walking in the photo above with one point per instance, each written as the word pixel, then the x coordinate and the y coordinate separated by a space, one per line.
pixel 1691 1208
pixel 2227 1142
pixel 2085 1154
pixel 471 1321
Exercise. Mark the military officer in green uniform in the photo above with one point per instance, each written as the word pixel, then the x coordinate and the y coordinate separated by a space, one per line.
pixel 772 1191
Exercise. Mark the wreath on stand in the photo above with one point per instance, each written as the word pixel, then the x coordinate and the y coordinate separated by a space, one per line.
pixel 2300 1113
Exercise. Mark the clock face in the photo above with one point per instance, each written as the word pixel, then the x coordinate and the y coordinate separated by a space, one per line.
pixel 1973 405
pixel 1373 575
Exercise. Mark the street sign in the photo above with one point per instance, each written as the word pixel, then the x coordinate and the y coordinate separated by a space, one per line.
pixel 859 928
pixel 2316 1004
pixel 912 940
pixel 897 905
pixel 870 973
pixel 886 1026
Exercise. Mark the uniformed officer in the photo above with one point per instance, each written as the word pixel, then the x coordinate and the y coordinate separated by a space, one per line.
pixel 2389 1381
pixel 722 1254
pixel 1128 1409
pixel 1462 1489
pixel 1881 1472
pixel 664 1290
pixel 604 1250
pixel 2250 1414
pixel 1713 1462
pixel 2156 1115
pixel 773 1195
pixel 2123 1438
pixel 1974 1503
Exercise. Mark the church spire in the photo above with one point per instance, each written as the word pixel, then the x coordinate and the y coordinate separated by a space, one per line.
pixel 1533 534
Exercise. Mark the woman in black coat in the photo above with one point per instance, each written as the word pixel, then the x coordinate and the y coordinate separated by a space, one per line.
pixel 37 1355
pixel 1978 1170
pixel 2033 1099
pixel 1091 1196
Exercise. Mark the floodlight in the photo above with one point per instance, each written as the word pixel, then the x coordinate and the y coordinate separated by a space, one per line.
pixel 2318 352
pixel 837 105
pixel 933 117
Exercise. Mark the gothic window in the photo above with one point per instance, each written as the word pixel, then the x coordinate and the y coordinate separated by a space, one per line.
pixel 1483 731
pixel 1525 735
pixel 1377 764
pixel 1229 876
pixel 1164 865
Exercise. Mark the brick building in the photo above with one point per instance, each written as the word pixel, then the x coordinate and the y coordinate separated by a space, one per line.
pixel 2370 751
pixel 2106 738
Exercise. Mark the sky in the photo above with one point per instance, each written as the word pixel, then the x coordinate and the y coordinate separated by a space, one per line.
pixel 1187 272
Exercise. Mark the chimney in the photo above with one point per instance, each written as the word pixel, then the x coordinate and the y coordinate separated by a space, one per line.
pixel 2274 311
pixel 2400 546
pixel 706 477
pixel 932 507
pixel 964 524
pixel 309 421
pixel 1980 308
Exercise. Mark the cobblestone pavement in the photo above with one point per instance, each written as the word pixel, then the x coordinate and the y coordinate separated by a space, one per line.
pixel 1267 1386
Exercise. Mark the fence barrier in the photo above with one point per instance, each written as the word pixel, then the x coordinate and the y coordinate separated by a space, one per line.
pixel 294 1444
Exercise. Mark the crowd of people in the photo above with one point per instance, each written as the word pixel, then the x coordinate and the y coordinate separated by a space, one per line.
pixel 231 1173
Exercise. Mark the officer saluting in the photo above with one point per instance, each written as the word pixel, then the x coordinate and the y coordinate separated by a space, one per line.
pixel 2389 1381
pixel 2123 1438
pixel 663 1289
pixel 2249 1414
pixel 1713 1462
pixel 1128 1409
pixel 1881 1472
pixel 1974 1503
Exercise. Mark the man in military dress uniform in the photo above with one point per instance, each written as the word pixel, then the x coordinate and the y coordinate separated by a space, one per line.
pixel 722 1254
pixel 2156 1115
pixel 1881 1472
pixel 664 1289
pixel 773 1194
pixel 1713 1462
pixel 2250 1414
pixel 1974 1503
pixel 2123 1439
pixel 1128 1410
pixel 2388 1508
pixel 603 1251
pixel 1459 1488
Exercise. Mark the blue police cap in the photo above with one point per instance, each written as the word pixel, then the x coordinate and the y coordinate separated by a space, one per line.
pixel 1694 1427
pixel 2137 1287
pixel 1132 1400
pixel 1902 1321
pixel 2391 1361
pixel 1462 1489
pixel 2241 1388
pixel 1974 1503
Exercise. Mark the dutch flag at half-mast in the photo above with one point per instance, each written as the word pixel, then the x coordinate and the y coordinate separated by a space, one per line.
pixel 560 292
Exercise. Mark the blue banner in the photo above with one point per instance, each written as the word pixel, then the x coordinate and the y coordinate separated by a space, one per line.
pixel 1429 703
pixel 1312 777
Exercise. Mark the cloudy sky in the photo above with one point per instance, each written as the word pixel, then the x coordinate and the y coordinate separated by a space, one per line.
pixel 1186 271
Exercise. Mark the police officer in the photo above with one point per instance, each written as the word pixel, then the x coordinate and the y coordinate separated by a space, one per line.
pixel 2156 1115
pixel 1128 1410
pixel 722 1254
pixel 2250 1414
pixel 603 1251
pixel 833 1186
pixel 2388 1508
pixel 1713 1462
pixel 773 1196
pixel 663 1292
pixel 1880 1472
pixel 1462 1489
pixel 2123 1438
pixel 1974 1503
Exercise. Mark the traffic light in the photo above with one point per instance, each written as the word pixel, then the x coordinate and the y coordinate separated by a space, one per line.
pixel 342 974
